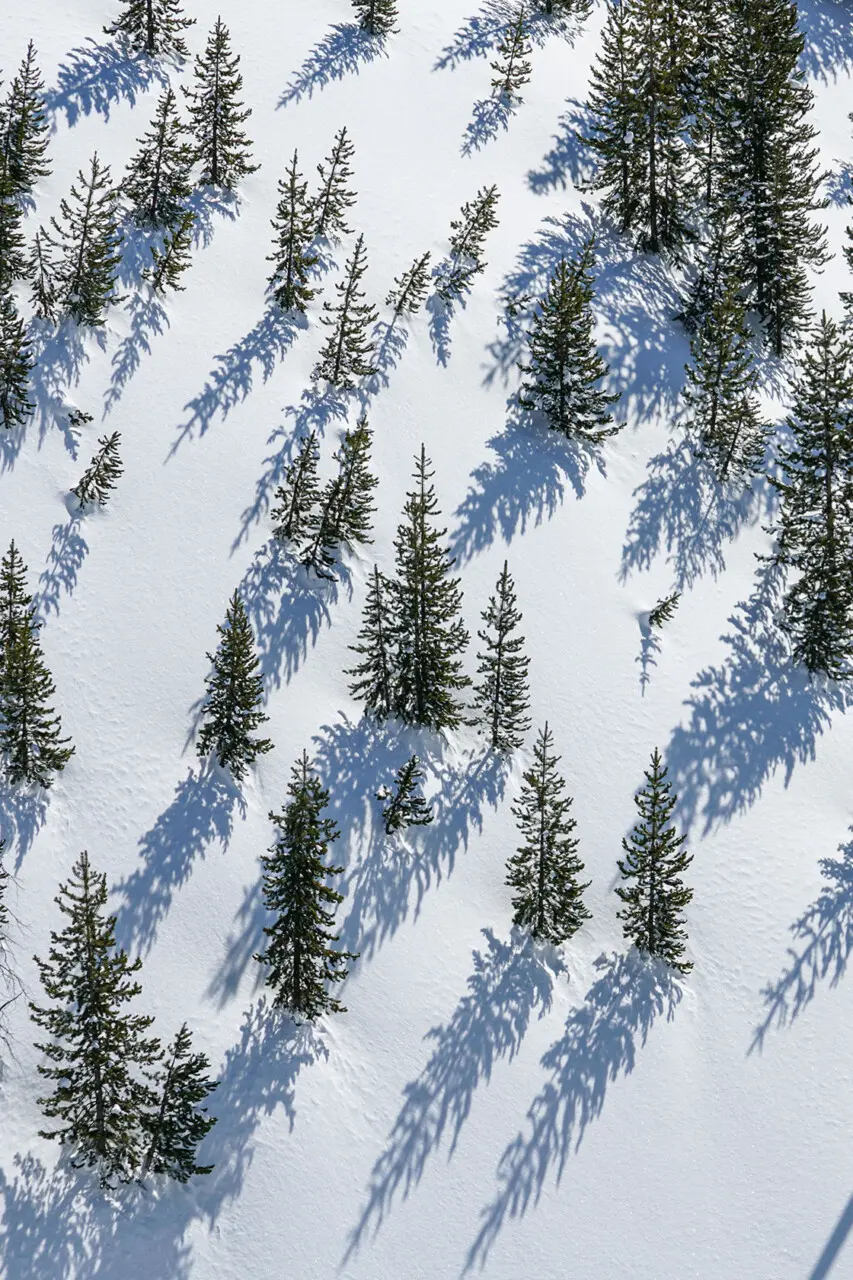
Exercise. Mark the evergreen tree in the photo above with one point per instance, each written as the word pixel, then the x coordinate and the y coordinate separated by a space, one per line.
pixel 99 478
pixel 157 183
pixel 25 129
pixel 293 226
pixel 216 113
pixel 403 808
pixel 299 495
pixel 42 273
pixel 544 870
pixel 468 235
pixel 352 506
pixel 16 365
pixel 235 694
pixel 347 352
pixel 153 27
pixel 30 730
pixel 512 68
pixel 333 198
pixel 318 552
pixel 176 1123
pixel 410 288
pixel 428 632
pixel 718 273
pixel 815 523
pixel 565 369
pixel 97 1051
pixel 376 17
pixel 14 261
pixel 611 110
pixel 705 89
pixel 15 601
pixel 169 263
pixel 88 243
pixel 8 978
pixel 502 697
pixel 300 956
pixel 374 682
pixel 664 610
pixel 655 895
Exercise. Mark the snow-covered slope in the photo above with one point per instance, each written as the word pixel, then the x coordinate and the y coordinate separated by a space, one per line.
pixel 482 1105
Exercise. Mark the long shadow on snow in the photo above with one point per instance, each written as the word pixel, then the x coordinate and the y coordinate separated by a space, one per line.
pixel 489 116
pixel 23 812
pixel 147 314
pixel 569 161
pixel 343 52
pixel 94 77
pixel 60 354
pixel 828 51
pixel 68 551
pixel 482 32
pixel 598 1045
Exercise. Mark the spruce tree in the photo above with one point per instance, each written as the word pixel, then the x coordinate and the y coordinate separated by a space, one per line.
pixel 235 694
pixel 99 478
pixel 97 1051
pixel 153 27
pixel 169 263
pixel 502 698
pixel 334 198
pixel 30 730
pixel 718 272
pixel 512 68
pixel 300 956
pixel 403 808
pixel 410 288
pixel 298 497
pixel 175 1124
pixel 376 17
pixel 41 271
pixel 468 235
pixel 88 243
pixel 428 632
pixel 16 365
pixel 655 895
pixel 157 183
pixel 705 90
pixel 348 349
pixel 351 492
pixel 318 551
pixel 544 870
pixel 14 261
pixel 664 610
pixel 216 114
pixel 15 601
pixel 565 369
pixel 25 129
pixel 374 683
pixel 293 226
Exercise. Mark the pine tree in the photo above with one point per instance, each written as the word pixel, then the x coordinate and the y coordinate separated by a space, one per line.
pixel 347 353
pixel 403 808
pixel 428 632
pixel 565 369
pixel 216 113
pixel 16 365
pixel 15 601
pixel 333 198
pixel 235 694
pixel 176 1123
pixel 352 506
pixel 293 226
pixel 297 498
pixel 544 870
pixel 655 895
pixel 14 261
pixel 25 129
pixel 318 552
pixel 374 683
pixel 815 524
pixel 300 956
pixel 376 17
pixel 512 68
pixel 502 698
pixel 97 1051
pixel 88 243
pixel 664 610
pixel 30 730
pixel 152 27
pixel 410 288
pixel 468 235
pixel 99 478
pixel 169 263
pixel 705 90
pixel 42 273
pixel 718 273
pixel 157 183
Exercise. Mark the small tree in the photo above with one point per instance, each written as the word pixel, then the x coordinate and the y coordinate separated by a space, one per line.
pixel 512 68
pixel 318 553
pixel 88 242
pixel 169 263
pixel 16 365
pixel 664 610
pixel 15 601
pixel 30 730
pixel 176 1122
pixel 26 130
pixel 351 492
pixel 410 288
pixel 100 477
pixel 544 870
pixel 468 235
pixel 297 498
pixel 655 859
pixel 502 698
pixel 152 27
pixel 235 694
pixel 300 956
pixel 157 183
pixel 41 271
pixel 374 683
pixel 403 808
pixel 347 352
pixel 216 114
pixel 376 17
pixel 293 226
pixel 333 198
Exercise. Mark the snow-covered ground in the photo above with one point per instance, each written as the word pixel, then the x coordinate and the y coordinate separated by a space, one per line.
pixel 482 1106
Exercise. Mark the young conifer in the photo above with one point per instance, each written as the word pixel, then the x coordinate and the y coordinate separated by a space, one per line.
pixel 235 694
pixel 376 17
pixel 16 365
pixel 15 601
pixel 293 226
pixel 300 956
pixel 153 27
pixel 468 235
pixel 403 807
pixel 512 68
pixel 216 114
pixel 502 698
pixel 544 870
pixel 88 242
pixel 14 261
pixel 169 263
pixel 42 273
pixel 374 683
pixel 655 895
pixel 664 610
pixel 298 497
pixel 175 1122
pixel 352 506
pixel 347 353
pixel 25 129
pixel 157 183
pixel 318 552
pixel 410 288
pixel 333 198
pixel 30 730
pixel 100 477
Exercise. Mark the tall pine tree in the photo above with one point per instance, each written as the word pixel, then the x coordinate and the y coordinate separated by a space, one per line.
pixel 293 228
pixel 410 288
pixel 25 129
pixel 468 234
pixel 152 26
pixel 30 730
pixel 346 355
pixel 512 68
pixel 175 1122
pixel 88 243
pixel 334 198
pixel 351 492
pixel 375 675
pixel 502 697
pixel 16 365
pixel 376 17
pixel 170 262
pixel 42 273
pixel 216 113
pixel 157 183
pixel 15 601
pixel 298 497
pixel 99 479
pixel 235 694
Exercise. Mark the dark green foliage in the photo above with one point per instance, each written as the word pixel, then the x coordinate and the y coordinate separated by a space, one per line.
pixel 235 694
pixel 16 365
pixel 376 17
pixel 502 697
pixel 298 497
pixel 42 273
pixel 351 492
pixel 169 263
pixel 347 353
pixel 97 1051
pixel 25 130
pixel 293 226
pixel 704 90
pixel 152 27
pixel 654 895
pixel 333 198
pixel 318 553
pixel 300 956
pixel 14 262
pixel 565 369
pixel 410 288
pixel 544 870
pixel 15 601
pixel 374 683
pixel 512 68
pixel 664 610
pixel 88 244
pixel 717 273
pixel 216 114
pixel 99 478
pixel 157 183
pixel 468 236
pixel 403 808
pixel 176 1122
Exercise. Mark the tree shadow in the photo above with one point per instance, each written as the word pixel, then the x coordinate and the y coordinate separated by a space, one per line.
pixel 650 646
pixel 481 34
pixel 208 204
pixel 68 550
pixel 94 77
pixel 342 52
pixel 59 353
pixel 148 319
pixel 490 115
pixel 569 160
pixel 828 50
pixel 834 1244
pixel 390 339
pixel 838 186
pixel 508 984
pixel 23 812
pixel 599 1044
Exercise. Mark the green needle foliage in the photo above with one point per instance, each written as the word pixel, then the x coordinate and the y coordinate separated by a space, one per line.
pixel 175 1122
pixel 402 807
pixel 502 697
pixel 100 477
pixel 216 114
pixel 235 695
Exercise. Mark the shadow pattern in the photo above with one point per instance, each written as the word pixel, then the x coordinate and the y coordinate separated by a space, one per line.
pixel 94 77
pixel 342 52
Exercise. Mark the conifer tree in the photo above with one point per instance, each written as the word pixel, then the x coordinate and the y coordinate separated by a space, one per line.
pixel 718 272
pixel 16 365
pixel 157 183
pixel 333 198
pixel 169 263
pixel 293 226
pixel 352 506
pixel 42 273
pixel 99 478
pixel 88 243
pixel 8 979
pixel 176 1122
pixel 216 114
pixel 318 552
pixel 428 632
pixel 565 369
pixel 30 730
pixel 502 698
pixel 664 610
pixel 15 601
pixel 25 129
pixel 374 683
pixel 376 17
pixel 300 956
pixel 410 288
pixel 403 808
pixel 347 352
pixel 299 495
pixel 655 895
pixel 544 870
pixel 153 27
pixel 235 694
pixel 14 261
pixel 97 1051
pixel 512 68
pixel 705 90
pixel 468 235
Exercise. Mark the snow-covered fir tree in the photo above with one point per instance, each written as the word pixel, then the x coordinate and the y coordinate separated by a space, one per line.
pixel 175 1121
pixel 717 272
pixel 15 600
pixel 334 197
pixel 14 260
pixel 512 66
pixel 502 697
pixel 351 492
pixel 216 114
pixel 348 350
pixel 100 477
pixel 30 730
pixel 153 27
pixel 376 17
pixel 87 240
pixel 41 271
pixel 297 499
pixel 467 240
pixel 157 183
pixel 403 807
pixel 170 262
pixel 374 682
pixel 25 130
pixel 293 230
pixel 16 365
pixel 235 695
pixel 410 289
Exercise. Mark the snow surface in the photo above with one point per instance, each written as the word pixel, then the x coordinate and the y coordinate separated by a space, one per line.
pixel 482 1106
